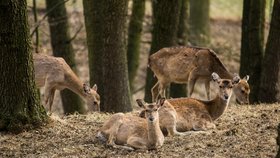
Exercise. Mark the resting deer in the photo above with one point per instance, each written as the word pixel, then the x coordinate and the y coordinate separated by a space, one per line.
pixel 187 65
pixel 194 114
pixel 55 74
pixel 133 131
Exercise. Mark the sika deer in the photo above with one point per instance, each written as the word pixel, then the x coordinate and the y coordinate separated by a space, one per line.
pixel 187 65
pixel 55 74
pixel 135 132
pixel 194 114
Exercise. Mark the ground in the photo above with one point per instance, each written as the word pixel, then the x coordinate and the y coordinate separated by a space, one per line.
pixel 242 131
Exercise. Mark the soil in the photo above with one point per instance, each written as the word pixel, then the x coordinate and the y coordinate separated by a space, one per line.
pixel 242 131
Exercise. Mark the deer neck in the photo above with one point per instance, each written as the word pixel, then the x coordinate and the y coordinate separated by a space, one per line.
pixel 217 107
pixel 155 136
pixel 73 83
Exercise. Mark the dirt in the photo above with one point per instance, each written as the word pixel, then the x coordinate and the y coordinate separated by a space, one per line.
pixel 242 131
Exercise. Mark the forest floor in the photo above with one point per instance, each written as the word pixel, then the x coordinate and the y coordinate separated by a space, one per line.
pixel 243 131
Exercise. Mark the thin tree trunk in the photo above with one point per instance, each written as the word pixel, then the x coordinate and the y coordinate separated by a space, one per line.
pixel 134 38
pixel 252 44
pixel 19 101
pixel 62 47
pixel 278 141
pixel 199 22
pixel 106 31
pixel 37 40
pixel 164 34
pixel 270 78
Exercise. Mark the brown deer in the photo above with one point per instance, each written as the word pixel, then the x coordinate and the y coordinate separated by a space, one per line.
pixel 194 114
pixel 133 131
pixel 187 65
pixel 55 74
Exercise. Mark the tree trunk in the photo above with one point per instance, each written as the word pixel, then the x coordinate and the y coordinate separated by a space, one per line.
pixel 252 44
pixel 62 47
pixel 164 34
pixel 182 33
pixel 134 38
pixel 180 90
pixel 106 38
pixel 270 78
pixel 19 101
pixel 199 22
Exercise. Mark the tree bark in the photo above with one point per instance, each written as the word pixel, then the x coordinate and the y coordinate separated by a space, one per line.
pixel 106 38
pixel 182 33
pixel 62 47
pixel 252 43
pixel 19 101
pixel 270 78
pixel 199 22
pixel 164 34
pixel 134 38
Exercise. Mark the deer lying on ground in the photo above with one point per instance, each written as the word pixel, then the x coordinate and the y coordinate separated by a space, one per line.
pixel 133 131
pixel 187 65
pixel 194 114
pixel 55 74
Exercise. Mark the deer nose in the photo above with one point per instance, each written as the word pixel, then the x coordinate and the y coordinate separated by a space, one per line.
pixel 151 119
pixel 226 96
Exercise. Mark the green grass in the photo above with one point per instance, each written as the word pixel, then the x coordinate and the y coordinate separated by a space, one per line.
pixel 226 9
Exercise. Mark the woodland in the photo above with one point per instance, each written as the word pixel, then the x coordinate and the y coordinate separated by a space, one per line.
pixel 68 66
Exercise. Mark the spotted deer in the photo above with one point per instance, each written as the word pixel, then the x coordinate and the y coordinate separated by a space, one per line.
pixel 187 65
pixel 54 73
pixel 194 114
pixel 132 132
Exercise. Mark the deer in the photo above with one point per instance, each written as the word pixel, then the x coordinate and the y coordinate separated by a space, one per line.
pixel 126 131
pixel 187 65
pixel 193 114
pixel 54 73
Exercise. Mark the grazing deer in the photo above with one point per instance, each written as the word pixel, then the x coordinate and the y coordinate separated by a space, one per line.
pixel 194 114
pixel 187 65
pixel 55 74
pixel 135 132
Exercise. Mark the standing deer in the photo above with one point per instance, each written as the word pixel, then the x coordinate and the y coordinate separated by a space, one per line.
pixel 194 114
pixel 187 65
pixel 55 74
pixel 133 131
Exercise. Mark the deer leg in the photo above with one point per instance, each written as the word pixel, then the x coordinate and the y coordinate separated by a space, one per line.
pixel 155 92
pixel 207 88
pixel 162 89
pixel 191 84
pixel 136 142
pixel 49 95
pixel 52 92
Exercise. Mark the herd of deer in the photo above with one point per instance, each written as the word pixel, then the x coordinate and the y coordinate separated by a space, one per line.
pixel 178 116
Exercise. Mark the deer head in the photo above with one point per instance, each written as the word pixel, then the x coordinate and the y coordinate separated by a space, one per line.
pixel 225 85
pixel 151 109
pixel 92 97
pixel 242 91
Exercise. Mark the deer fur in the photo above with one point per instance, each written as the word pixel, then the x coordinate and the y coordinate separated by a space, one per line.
pixel 195 114
pixel 54 73
pixel 132 132
pixel 187 65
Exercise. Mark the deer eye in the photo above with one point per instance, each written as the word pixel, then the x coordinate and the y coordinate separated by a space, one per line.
pixel 230 86
pixel 242 91
pixel 221 86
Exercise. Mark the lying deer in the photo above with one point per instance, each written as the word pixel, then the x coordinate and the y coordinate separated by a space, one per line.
pixel 135 132
pixel 55 74
pixel 194 114
pixel 187 65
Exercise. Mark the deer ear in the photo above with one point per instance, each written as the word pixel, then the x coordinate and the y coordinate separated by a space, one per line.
pixel 235 79
pixel 215 77
pixel 94 87
pixel 140 103
pixel 86 88
pixel 246 78
pixel 161 101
